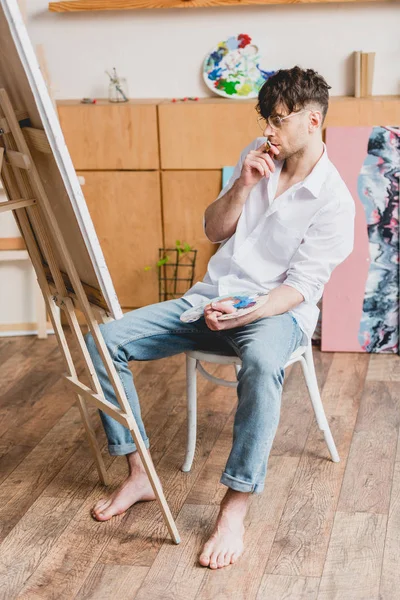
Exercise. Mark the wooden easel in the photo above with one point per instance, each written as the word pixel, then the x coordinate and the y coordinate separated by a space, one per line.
pixel 39 228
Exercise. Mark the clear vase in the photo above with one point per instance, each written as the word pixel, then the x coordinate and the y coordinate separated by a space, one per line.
pixel 118 91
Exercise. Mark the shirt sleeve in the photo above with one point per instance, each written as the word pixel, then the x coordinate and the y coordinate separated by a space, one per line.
pixel 235 175
pixel 328 241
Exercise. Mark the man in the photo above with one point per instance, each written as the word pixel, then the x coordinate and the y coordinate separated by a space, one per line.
pixel 284 221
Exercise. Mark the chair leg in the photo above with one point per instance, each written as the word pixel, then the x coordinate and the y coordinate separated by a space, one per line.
pixel 307 363
pixel 191 395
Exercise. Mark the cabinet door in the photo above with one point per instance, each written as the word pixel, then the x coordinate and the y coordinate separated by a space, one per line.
pixel 126 211
pixel 108 136
pixel 186 195
pixel 206 135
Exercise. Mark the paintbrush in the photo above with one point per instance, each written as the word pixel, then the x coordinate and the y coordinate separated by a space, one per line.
pixel 267 146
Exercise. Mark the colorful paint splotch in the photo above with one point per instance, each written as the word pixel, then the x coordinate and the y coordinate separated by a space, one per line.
pixel 233 70
pixel 378 189
pixel 360 310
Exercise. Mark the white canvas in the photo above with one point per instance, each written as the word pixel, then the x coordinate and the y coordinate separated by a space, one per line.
pixel 21 76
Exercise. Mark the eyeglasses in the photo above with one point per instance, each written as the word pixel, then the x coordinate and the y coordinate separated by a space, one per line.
pixel 276 122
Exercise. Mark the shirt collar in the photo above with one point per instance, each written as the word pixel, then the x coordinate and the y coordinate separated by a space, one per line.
pixel 314 180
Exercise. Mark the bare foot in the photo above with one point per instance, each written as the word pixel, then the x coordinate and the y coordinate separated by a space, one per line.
pixel 136 488
pixel 226 542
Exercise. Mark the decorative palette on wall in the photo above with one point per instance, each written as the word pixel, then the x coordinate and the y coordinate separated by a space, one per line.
pixel 361 301
pixel 232 69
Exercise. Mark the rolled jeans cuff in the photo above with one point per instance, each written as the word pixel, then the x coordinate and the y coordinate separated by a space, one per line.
pixel 121 449
pixel 241 486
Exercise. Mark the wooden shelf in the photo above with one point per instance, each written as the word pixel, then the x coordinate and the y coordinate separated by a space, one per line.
pixel 219 100
pixel 91 5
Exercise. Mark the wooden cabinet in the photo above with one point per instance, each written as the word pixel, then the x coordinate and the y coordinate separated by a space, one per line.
pixel 152 167
pixel 115 148
pixel 186 195
pixel 125 207
pixel 110 136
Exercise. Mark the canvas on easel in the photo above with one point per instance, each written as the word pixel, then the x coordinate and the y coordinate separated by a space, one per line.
pixel 48 204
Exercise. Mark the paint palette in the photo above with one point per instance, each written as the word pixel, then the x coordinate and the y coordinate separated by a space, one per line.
pixel 232 68
pixel 244 303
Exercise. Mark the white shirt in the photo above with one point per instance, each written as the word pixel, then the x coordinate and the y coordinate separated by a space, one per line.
pixel 296 239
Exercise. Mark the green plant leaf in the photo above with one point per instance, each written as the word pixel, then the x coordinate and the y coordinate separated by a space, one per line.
pixel 162 261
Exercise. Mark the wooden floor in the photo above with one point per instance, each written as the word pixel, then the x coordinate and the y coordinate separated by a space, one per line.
pixel 320 530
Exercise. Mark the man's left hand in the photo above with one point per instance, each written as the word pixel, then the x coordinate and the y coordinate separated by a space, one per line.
pixel 215 309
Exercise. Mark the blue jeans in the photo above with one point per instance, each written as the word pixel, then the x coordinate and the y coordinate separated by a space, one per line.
pixel 264 346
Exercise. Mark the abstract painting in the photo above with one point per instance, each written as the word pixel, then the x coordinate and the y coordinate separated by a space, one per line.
pixel 360 310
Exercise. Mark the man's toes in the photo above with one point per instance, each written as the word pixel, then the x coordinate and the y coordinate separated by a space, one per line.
pixel 234 557
pixel 99 504
pixel 213 560
pixel 221 559
pixel 227 559
pixel 204 559
pixel 110 511
pixel 101 513
pixel 99 516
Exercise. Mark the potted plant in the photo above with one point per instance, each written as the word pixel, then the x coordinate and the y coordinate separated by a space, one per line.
pixel 179 268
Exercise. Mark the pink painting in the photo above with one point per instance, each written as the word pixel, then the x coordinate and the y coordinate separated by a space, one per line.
pixel 360 302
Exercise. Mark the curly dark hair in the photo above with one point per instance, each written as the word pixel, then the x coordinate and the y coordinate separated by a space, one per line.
pixel 294 88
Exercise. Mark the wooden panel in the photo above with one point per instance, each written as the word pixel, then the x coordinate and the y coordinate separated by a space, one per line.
pixel 365 112
pixel 126 212
pixel 205 135
pixel 14 243
pixel 186 195
pixel 84 5
pixel 110 136
pixel 211 133
pixel 49 486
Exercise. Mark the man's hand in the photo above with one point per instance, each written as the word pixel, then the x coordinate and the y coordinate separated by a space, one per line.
pixel 258 164
pixel 215 309
pixel 279 300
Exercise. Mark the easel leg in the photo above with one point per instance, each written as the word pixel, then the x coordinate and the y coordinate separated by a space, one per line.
pixel 41 317
pixel 93 443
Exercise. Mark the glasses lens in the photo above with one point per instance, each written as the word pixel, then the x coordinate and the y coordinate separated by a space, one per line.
pixel 275 122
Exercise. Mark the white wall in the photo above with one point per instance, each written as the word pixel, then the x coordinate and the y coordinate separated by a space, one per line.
pixel 17 280
pixel 161 51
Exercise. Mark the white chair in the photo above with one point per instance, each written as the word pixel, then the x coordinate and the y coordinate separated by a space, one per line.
pixel 303 354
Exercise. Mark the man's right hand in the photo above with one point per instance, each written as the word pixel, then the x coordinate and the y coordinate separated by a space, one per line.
pixel 257 164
